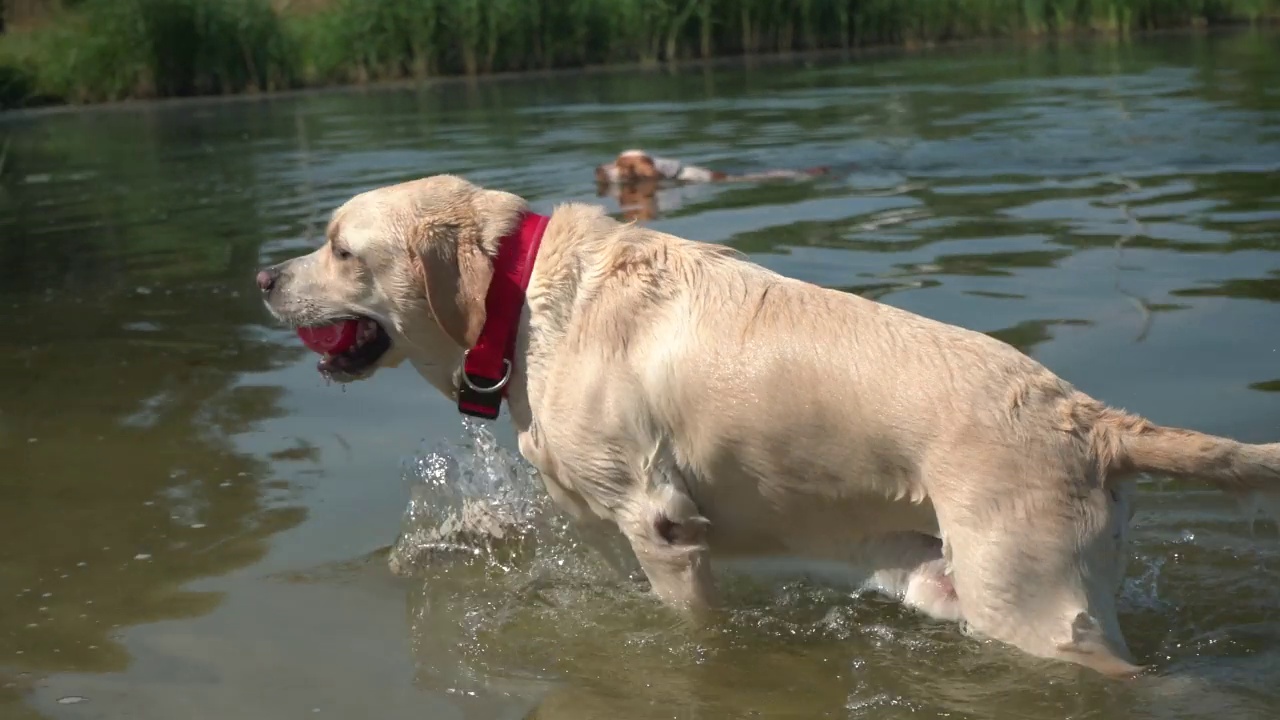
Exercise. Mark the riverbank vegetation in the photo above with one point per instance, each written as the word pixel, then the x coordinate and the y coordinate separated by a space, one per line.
pixel 74 51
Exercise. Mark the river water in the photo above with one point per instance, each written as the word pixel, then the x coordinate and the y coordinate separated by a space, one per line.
pixel 194 525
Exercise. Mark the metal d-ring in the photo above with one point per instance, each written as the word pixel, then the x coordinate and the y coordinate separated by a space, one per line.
pixel 506 377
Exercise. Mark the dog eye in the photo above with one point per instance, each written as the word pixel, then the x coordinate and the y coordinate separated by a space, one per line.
pixel 342 253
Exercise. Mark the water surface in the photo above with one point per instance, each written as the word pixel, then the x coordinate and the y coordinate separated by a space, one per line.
pixel 193 524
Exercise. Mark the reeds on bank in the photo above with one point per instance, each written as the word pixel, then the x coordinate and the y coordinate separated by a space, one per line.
pixel 95 50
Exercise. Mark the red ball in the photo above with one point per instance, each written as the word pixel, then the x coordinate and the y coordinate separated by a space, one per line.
pixel 334 338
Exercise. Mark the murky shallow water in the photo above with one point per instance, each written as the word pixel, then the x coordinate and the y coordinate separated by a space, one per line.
pixel 194 525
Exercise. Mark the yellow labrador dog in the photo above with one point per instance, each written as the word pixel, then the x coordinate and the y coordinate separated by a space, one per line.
pixel 712 410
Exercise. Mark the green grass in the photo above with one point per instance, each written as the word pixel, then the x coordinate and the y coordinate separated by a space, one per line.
pixel 116 49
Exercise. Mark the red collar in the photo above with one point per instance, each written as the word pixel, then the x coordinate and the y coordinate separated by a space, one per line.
pixel 487 366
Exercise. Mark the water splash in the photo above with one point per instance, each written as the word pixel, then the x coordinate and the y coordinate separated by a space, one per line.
pixel 475 468
pixel 502 583
pixel 1141 590
pixel 466 497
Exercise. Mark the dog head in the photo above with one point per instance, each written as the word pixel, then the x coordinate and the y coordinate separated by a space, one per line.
pixel 629 168
pixel 412 264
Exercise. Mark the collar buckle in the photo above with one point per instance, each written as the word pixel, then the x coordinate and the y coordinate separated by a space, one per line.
pixel 478 394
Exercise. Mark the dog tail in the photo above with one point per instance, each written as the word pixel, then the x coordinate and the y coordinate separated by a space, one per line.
pixel 1127 444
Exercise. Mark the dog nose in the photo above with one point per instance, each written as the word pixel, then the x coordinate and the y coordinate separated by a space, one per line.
pixel 267 278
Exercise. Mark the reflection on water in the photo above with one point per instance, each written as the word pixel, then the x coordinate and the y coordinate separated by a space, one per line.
pixel 118 393
pixel 1114 210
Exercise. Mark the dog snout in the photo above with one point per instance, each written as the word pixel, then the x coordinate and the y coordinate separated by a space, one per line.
pixel 267 278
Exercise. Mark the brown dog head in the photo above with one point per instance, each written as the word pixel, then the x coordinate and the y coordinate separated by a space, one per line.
pixel 630 167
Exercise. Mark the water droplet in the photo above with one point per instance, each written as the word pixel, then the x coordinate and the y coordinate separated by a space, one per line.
pixel 142 556
pixel 72 700
pixel 197 526
pixel 31 440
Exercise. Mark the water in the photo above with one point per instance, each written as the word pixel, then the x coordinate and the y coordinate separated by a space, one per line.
pixel 194 524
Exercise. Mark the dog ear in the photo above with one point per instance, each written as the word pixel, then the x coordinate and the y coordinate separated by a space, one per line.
pixel 455 273
pixel 453 251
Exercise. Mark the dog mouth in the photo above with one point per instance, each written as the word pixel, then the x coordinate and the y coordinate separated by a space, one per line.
pixel 349 348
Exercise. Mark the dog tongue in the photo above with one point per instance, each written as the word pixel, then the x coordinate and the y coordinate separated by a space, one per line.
pixel 334 338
